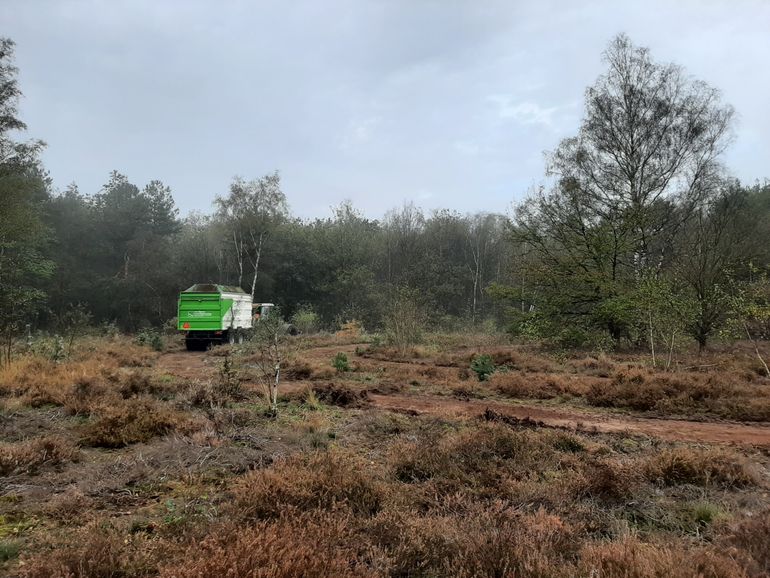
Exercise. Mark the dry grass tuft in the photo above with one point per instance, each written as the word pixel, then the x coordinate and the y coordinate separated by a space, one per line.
pixel 27 456
pixel 92 552
pixel 631 558
pixel 325 481
pixel 341 395
pixel 535 386
pixel 131 421
pixel 310 545
pixel 751 539
pixel 716 468
pixel 481 541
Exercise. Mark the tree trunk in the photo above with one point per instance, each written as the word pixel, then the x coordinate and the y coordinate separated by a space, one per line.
pixel 671 350
pixel 652 339
pixel 256 263
pixel 702 340
pixel 274 392
pixel 239 257
pixel 756 349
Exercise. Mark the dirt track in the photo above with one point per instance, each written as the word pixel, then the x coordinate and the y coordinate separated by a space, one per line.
pixel 201 365
pixel 188 365
pixel 667 429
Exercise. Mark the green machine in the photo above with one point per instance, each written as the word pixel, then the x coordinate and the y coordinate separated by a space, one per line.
pixel 211 313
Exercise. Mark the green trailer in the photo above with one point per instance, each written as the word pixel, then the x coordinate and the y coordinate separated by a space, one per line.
pixel 211 313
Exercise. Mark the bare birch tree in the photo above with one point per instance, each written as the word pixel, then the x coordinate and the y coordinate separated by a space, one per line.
pixel 251 211
pixel 272 346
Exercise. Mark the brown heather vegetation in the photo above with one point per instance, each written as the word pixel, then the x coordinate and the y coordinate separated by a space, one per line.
pixel 28 455
pixel 181 476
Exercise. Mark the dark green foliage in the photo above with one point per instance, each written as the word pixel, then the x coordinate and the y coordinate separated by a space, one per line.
pixel 483 366
pixel 340 362
pixel 23 234
pixel 152 338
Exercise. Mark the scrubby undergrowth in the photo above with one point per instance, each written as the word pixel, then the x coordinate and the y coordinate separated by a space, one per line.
pixel 115 468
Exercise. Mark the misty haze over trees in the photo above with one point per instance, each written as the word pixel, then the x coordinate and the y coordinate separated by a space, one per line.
pixel 638 236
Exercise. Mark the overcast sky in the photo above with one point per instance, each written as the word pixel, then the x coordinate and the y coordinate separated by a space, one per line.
pixel 447 103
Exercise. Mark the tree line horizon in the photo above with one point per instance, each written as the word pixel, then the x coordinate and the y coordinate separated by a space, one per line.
pixel 638 235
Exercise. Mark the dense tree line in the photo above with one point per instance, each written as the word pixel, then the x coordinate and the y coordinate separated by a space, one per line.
pixel 125 254
pixel 639 235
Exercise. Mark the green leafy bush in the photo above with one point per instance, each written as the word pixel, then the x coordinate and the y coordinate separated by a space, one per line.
pixel 483 366
pixel 340 362
pixel 306 320
pixel 151 338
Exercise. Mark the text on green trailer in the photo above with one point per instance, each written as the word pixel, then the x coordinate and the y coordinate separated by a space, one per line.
pixel 211 313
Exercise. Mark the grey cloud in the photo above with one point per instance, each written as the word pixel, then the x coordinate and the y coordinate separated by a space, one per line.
pixel 449 103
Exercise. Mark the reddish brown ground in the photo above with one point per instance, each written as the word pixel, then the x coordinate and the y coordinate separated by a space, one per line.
pixel 193 365
pixel 574 419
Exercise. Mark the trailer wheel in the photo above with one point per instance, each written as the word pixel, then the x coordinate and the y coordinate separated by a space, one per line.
pixel 240 337
pixel 231 336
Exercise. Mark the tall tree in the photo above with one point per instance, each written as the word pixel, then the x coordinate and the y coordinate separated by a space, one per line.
pixel 712 254
pixel 23 190
pixel 646 155
pixel 251 211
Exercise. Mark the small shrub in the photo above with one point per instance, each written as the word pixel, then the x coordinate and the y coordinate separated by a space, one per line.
pixel 604 479
pixel 341 395
pixel 404 320
pixel 352 329
pixel 28 455
pixel 632 558
pixel 483 366
pixel 94 552
pixel 340 362
pixel 228 385
pixel 310 545
pixel 150 338
pixel 306 320
pixel 69 507
pixel 135 383
pixel 477 457
pixel 477 541
pixel 565 442
pixel 205 394
pixel 128 422
pixel 322 481
pixel 9 550
pixel 297 370
pixel 699 468
pixel 750 537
